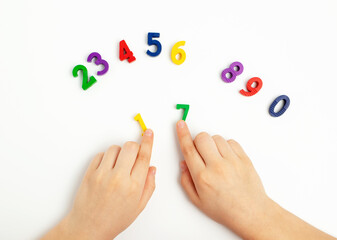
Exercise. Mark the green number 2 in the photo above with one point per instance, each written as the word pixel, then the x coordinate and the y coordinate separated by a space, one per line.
pixel 186 107
pixel 85 83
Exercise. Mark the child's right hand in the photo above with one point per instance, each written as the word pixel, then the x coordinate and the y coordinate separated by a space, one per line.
pixel 220 179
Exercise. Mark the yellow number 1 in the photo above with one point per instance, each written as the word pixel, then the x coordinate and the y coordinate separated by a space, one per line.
pixel 141 122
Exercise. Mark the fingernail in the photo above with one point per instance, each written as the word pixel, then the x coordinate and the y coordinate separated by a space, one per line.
pixel 154 170
pixel 148 132
pixel 183 166
pixel 181 124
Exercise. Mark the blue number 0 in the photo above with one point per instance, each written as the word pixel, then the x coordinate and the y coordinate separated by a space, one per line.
pixel 283 109
pixel 150 41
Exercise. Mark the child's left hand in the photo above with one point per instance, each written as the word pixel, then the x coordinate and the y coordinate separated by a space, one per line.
pixel 116 188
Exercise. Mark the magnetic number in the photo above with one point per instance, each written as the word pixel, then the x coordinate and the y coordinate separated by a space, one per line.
pixel 252 90
pixel 85 83
pixel 150 42
pixel 138 118
pixel 283 109
pixel 235 69
pixel 99 61
pixel 178 51
pixel 125 53
pixel 186 107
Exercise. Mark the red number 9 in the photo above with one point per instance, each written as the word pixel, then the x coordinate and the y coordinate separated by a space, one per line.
pixel 252 90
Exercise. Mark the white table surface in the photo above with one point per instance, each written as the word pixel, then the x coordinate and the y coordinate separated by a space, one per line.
pixel 50 128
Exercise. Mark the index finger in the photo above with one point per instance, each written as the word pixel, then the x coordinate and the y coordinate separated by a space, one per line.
pixel 192 157
pixel 141 166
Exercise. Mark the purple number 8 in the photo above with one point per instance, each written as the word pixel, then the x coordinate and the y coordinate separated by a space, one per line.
pixel 235 69
pixel 99 61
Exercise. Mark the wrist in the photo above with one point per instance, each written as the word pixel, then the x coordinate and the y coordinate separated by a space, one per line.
pixel 266 224
pixel 253 220
pixel 74 227
pixel 62 230
pixel 69 229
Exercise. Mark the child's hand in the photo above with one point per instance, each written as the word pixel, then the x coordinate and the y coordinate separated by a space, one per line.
pixel 116 188
pixel 220 179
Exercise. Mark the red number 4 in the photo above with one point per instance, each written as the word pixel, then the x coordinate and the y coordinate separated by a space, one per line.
pixel 125 53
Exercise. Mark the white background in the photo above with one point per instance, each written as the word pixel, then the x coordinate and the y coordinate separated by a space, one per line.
pixel 50 128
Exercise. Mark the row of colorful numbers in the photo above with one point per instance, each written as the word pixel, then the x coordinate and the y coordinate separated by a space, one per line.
pixel 229 75
pixel 178 56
